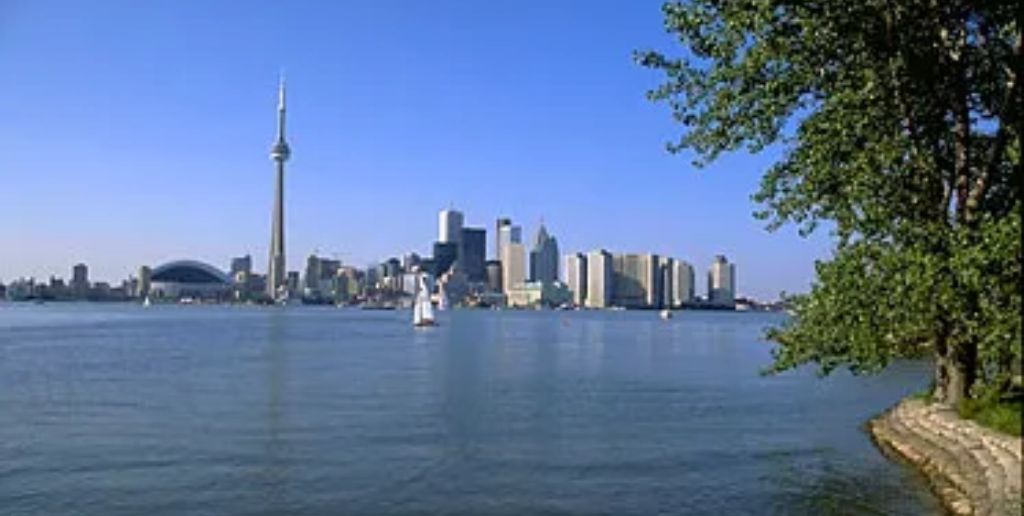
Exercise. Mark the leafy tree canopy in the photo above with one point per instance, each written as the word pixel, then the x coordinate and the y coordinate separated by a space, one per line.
pixel 901 123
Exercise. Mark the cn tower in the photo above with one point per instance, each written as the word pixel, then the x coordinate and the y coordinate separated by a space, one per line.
pixel 279 153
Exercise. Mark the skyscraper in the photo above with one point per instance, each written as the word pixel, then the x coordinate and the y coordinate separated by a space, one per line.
pixel 80 280
pixel 682 283
pixel 599 279
pixel 544 257
pixel 722 282
pixel 576 277
pixel 473 255
pixel 280 152
pixel 449 226
pixel 498 225
pixel 445 256
pixel 513 266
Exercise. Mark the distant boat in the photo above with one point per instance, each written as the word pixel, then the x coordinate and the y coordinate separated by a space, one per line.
pixel 666 314
pixel 442 298
pixel 146 301
pixel 422 310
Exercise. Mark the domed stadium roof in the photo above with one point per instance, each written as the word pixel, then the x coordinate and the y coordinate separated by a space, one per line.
pixel 188 271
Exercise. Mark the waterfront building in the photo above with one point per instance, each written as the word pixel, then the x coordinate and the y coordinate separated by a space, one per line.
pixel 683 284
pixel 666 267
pixel 536 294
pixel 449 225
pixel 241 264
pixel 473 257
pixel 319 276
pixel 513 266
pixel 145 279
pixel 292 282
pixel 576 277
pixel 722 282
pixel 80 281
pixel 446 254
pixel 188 279
pixel 636 281
pixel 494 275
pixel 600 277
pixel 544 257
pixel 279 153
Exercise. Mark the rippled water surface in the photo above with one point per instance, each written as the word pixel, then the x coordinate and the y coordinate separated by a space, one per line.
pixel 119 409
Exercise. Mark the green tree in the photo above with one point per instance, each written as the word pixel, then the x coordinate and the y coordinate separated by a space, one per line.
pixel 900 123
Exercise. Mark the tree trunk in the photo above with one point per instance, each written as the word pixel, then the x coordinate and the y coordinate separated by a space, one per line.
pixel 961 370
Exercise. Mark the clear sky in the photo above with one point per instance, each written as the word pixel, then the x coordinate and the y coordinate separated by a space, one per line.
pixel 138 132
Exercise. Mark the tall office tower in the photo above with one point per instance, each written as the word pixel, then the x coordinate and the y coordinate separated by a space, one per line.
pixel 667 266
pixel 241 264
pixel 80 280
pixel 683 288
pixel 449 226
pixel 280 152
pixel 291 282
pixel 508 234
pixel 500 223
pixel 600 279
pixel 576 277
pixel 473 256
pixel 722 282
pixel 145 278
pixel 636 280
pixel 445 256
pixel 494 275
pixel 513 265
pixel 314 270
pixel 544 257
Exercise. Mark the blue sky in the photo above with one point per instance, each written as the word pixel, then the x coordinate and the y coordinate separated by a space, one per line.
pixel 138 132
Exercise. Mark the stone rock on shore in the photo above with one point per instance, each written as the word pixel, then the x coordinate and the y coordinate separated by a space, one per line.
pixel 973 469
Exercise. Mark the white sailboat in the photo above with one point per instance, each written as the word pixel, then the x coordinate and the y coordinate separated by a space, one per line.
pixel 422 310
pixel 146 301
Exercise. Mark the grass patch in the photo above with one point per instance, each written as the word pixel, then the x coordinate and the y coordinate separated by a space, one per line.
pixel 925 396
pixel 1001 415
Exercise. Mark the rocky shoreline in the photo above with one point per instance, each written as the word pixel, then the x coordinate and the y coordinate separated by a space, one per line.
pixel 972 469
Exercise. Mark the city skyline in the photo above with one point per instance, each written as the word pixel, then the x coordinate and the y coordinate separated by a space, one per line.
pixel 598 173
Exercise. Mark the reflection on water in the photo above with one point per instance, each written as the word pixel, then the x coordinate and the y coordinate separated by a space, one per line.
pixel 231 410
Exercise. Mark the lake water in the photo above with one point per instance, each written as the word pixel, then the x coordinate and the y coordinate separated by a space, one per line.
pixel 119 409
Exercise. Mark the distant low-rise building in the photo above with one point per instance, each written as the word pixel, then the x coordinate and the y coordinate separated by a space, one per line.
pixel 537 294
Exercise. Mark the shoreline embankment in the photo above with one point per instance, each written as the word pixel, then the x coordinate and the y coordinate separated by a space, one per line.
pixel 972 469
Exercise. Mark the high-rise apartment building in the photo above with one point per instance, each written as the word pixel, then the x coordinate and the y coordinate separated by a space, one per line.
pixel 682 287
pixel 576 277
pixel 722 282
pixel 449 226
pixel 667 267
pixel 600 277
pixel 474 254
pixel 544 257
pixel 637 278
pixel 513 265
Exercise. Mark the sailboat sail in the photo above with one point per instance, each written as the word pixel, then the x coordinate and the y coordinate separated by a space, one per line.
pixel 422 311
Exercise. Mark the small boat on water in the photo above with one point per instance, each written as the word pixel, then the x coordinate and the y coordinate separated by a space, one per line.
pixel 146 301
pixel 666 314
pixel 422 309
